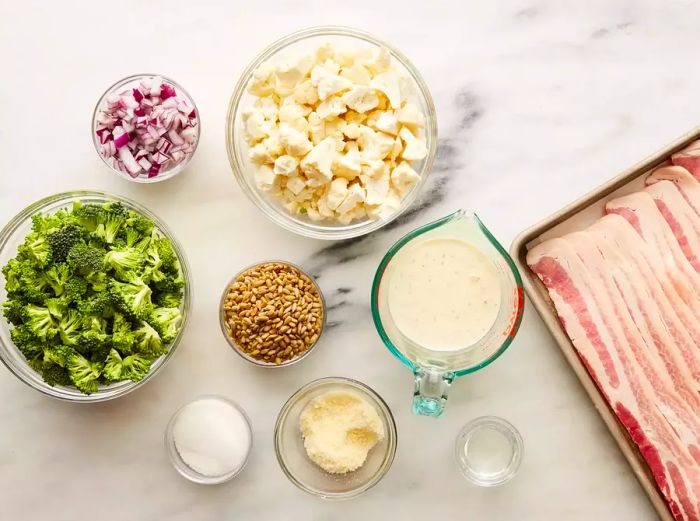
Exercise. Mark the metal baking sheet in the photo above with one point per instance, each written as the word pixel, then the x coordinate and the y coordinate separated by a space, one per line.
pixel 577 216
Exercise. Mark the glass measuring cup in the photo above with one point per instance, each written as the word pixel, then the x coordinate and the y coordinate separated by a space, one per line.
pixel 434 370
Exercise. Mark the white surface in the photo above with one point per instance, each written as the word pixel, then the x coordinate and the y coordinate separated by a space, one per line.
pixel 537 103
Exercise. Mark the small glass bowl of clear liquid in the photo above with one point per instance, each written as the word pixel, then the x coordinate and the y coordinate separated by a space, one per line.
pixel 488 451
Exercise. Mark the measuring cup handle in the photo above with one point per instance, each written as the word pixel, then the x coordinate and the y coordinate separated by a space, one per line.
pixel 430 392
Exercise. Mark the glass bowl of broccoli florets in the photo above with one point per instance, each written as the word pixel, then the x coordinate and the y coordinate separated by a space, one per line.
pixel 95 295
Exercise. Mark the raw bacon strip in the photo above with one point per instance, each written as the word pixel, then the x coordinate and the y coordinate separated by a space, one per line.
pixel 688 186
pixel 689 158
pixel 672 324
pixel 643 294
pixel 567 279
pixel 620 317
pixel 684 222
pixel 640 210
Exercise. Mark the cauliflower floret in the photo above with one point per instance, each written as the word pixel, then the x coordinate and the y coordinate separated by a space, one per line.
pixel 305 93
pixel 357 74
pixel 317 163
pixel 384 120
pixel 293 141
pixel 374 145
pixel 377 189
pixel 262 82
pixel 361 99
pixel 286 165
pixel 295 185
pixel 260 154
pixel 355 196
pixel 348 165
pixel 331 107
pixel 410 115
pixel 414 148
pixel 403 177
pixel 264 177
pixel 291 73
pixel 332 84
pixel 337 191
pixel 388 83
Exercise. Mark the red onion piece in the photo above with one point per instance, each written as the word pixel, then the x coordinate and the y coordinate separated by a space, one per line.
pixel 121 140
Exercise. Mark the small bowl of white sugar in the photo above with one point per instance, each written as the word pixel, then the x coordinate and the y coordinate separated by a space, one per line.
pixel 209 439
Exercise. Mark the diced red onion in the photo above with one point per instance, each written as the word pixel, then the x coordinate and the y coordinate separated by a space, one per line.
pixel 167 91
pixel 147 128
pixel 129 162
pixel 121 140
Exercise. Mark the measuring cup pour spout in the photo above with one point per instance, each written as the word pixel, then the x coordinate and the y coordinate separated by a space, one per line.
pixel 433 366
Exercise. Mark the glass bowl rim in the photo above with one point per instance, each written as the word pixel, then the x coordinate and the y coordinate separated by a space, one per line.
pixel 232 343
pixel 278 216
pixel 120 388
pixel 168 174
pixel 179 464
pixel 377 401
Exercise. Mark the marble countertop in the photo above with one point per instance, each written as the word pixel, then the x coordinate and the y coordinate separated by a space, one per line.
pixel 538 101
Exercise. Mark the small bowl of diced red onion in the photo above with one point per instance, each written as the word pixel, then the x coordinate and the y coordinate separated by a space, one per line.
pixel 146 128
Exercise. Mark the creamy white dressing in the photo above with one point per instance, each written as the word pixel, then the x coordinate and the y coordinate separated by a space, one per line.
pixel 443 293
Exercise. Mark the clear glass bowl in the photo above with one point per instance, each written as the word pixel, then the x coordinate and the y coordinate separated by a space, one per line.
pixel 243 354
pixel 13 234
pixel 119 87
pixel 488 451
pixel 304 473
pixel 295 45
pixel 183 468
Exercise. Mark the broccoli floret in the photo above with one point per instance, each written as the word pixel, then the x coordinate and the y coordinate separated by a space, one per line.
pixel 96 324
pixel 40 321
pixel 43 224
pixel 113 218
pixel 62 240
pixel 87 215
pixel 135 367
pixel 57 277
pixel 141 225
pixel 75 289
pixel 98 305
pixel 83 373
pixel 54 374
pixel 56 307
pixel 26 341
pixel 167 322
pixel 34 285
pixel 12 309
pixel 98 281
pixel 123 337
pixel 168 258
pixel 148 340
pixel 170 284
pixel 70 327
pixel 113 366
pixel 90 341
pixel 133 298
pixel 35 249
pixel 125 261
pixel 86 259
pixel 167 300
pixel 58 354
pixel 12 272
